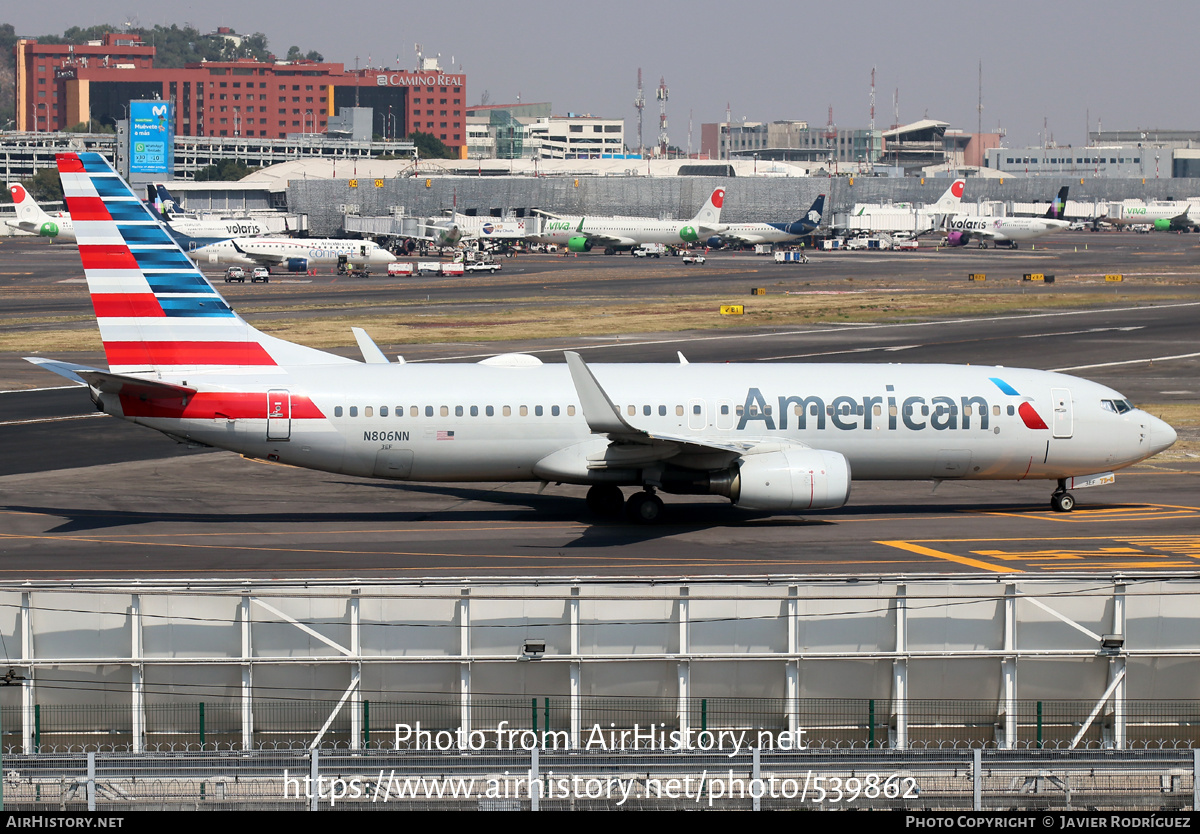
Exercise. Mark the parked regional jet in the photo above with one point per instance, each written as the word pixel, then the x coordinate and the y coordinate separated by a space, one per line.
pixel 31 218
pixel 777 437
pixel 581 234
pixel 961 228
pixel 749 234
pixel 291 254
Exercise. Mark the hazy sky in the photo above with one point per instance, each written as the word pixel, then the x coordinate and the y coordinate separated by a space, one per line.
pixel 1129 64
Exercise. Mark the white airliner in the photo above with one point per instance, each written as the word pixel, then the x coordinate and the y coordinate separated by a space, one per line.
pixel 1008 231
pixel 291 254
pixel 773 437
pixel 750 234
pixel 203 230
pixel 581 234
pixel 1169 216
pixel 31 218
pixel 904 219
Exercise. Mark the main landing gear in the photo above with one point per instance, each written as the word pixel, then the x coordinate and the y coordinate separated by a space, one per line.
pixel 1062 501
pixel 606 501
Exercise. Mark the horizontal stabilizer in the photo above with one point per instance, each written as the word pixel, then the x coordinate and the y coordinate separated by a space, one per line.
pixel 143 389
pixel 69 370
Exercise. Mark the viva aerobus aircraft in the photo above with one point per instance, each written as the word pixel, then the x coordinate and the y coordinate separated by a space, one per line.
pixel 1006 231
pixel 750 234
pixel 581 234
pixel 776 437
pixel 32 218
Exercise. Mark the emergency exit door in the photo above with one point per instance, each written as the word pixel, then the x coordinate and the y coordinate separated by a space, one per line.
pixel 279 414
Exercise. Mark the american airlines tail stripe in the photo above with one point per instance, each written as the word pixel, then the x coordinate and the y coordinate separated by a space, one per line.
pixel 126 305
pixel 168 282
pixel 166 329
pixel 188 354
pixel 135 234
pixel 216 405
pixel 106 257
pixel 161 259
pixel 94 163
pixel 88 208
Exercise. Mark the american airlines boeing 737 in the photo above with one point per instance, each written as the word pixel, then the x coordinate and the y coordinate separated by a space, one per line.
pixel 775 437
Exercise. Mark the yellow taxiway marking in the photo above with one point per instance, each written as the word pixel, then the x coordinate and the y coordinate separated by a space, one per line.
pixel 1139 512
pixel 1091 552
pixel 949 557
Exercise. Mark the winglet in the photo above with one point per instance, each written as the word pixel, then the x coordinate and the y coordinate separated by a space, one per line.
pixel 602 416
pixel 372 355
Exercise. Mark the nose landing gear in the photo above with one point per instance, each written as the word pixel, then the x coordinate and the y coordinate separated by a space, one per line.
pixel 1062 501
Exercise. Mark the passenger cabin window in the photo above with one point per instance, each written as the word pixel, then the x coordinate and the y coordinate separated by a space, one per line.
pixel 353 411
pixel 337 411
pixel 368 411
pixel 428 411
pixel 383 412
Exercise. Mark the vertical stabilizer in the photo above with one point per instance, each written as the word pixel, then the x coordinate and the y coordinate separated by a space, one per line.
pixel 156 310
pixel 710 214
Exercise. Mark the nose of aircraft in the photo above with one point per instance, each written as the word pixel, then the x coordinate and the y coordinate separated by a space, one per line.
pixel 1161 434
pixel 382 256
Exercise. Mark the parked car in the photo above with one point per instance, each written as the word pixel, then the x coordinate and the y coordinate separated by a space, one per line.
pixel 261 273
pixel 692 259
pixel 235 273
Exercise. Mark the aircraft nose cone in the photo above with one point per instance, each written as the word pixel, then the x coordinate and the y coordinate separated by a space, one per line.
pixel 1162 436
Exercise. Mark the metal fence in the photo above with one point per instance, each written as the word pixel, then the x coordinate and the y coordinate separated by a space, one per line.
pixel 941 780
pixel 827 724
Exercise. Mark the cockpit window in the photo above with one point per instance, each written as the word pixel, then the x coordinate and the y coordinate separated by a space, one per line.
pixel 1117 406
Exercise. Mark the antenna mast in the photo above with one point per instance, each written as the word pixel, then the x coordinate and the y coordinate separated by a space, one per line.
pixel 662 116
pixel 872 125
pixel 639 104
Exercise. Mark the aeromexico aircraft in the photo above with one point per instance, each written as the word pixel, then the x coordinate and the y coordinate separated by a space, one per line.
pixel 1008 231
pixel 776 437
pixel 581 234
pixel 749 234
pixel 31 218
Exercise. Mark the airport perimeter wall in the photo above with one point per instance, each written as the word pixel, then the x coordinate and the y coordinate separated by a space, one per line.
pixel 746 200
pixel 901 662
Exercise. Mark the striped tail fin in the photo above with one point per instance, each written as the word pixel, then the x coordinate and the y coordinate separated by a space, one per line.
pixel 156 310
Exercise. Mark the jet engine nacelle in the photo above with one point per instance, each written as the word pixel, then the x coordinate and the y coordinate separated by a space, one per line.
pixel 297 264
pixel 956 239
pixel 794 479
pixel 715 242
pixel 1162 225
pixel 579 244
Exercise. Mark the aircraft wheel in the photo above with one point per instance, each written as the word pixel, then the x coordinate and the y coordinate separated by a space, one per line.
pixel 1062 502
pixel 609 250
pixel 644 508
pixel 605 500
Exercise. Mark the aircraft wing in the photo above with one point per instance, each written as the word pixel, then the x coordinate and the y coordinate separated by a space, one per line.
pixel 744 239
pixel 603 417
pixel 260 258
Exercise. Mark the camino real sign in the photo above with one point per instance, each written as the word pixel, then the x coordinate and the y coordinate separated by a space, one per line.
pixel 418 79
pixel 152 137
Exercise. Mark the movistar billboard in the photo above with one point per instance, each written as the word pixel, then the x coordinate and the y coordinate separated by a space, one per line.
pixel 152 137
